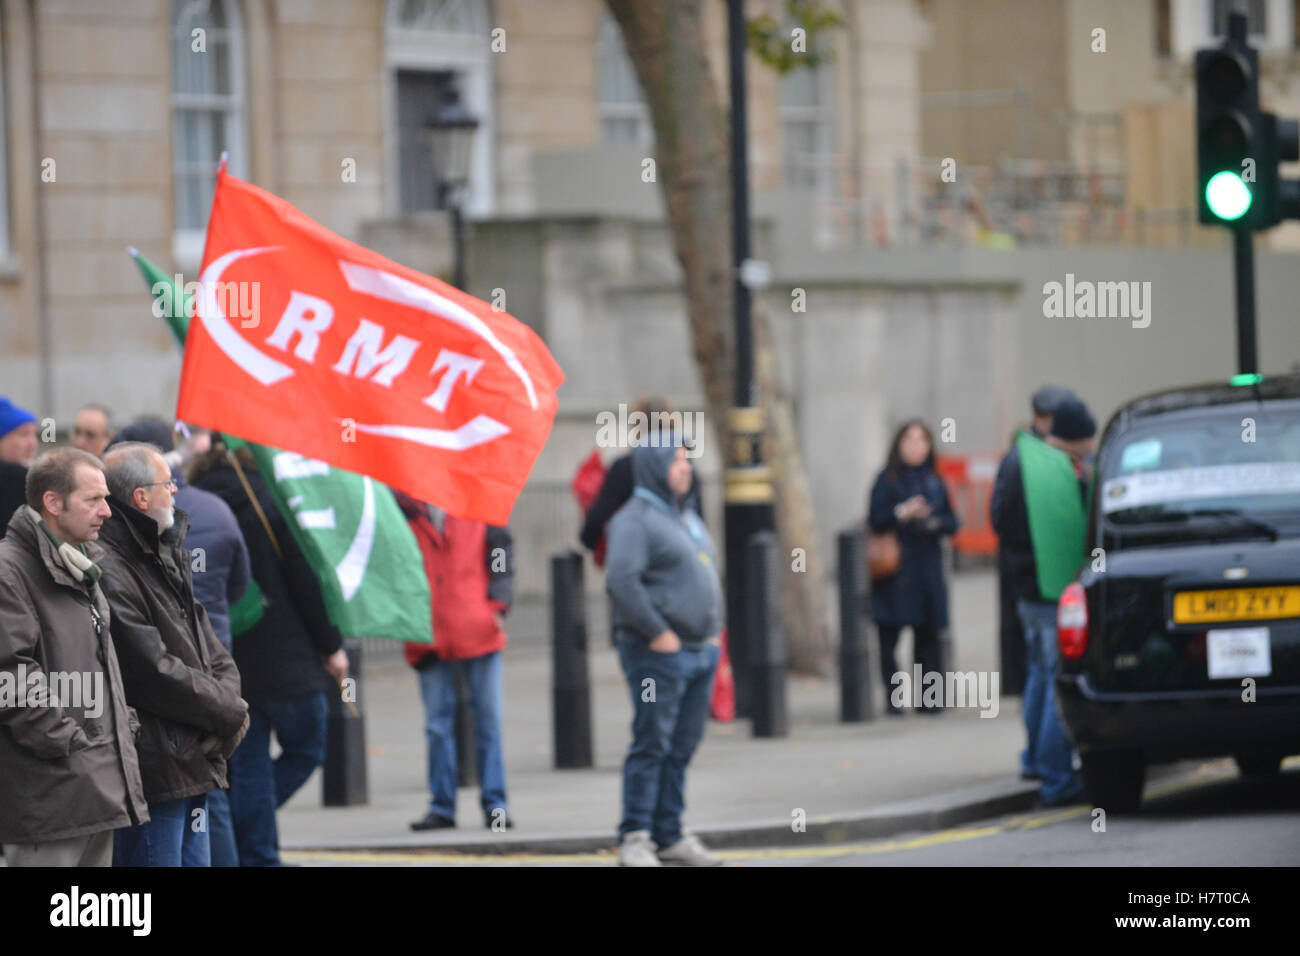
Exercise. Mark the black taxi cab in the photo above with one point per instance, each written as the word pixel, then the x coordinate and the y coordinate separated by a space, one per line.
pixel 1181 636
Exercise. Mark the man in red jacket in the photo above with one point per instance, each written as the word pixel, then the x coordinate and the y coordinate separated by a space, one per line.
pixel 471 573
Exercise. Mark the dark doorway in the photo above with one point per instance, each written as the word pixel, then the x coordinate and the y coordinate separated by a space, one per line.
pixel 419 95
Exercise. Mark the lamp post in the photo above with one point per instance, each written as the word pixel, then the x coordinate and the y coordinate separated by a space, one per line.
pixel 451 142
pixel 748 492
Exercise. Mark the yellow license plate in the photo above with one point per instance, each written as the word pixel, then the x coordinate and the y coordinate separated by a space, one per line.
pixel 1236 604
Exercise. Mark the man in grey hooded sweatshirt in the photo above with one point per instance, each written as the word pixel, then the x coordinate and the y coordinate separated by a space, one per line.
pixel 662 576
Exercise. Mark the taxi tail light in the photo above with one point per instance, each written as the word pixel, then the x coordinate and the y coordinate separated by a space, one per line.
pixel 1072 622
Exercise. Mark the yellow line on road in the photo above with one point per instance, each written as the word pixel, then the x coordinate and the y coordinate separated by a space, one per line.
pixel 955 835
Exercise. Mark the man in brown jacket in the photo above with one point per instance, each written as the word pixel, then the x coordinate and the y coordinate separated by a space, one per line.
pixel 177 675
pixel 69 775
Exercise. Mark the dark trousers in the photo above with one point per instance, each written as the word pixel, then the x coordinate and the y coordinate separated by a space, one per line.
pixel 1011 636
pixel 670 709
pixel 925 641
pixel 258 784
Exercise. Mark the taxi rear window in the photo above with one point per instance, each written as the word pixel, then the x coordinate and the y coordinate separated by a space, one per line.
pixel 1223 460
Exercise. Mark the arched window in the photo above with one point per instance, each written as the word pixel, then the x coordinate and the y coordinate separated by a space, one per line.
pixel 207 106
pixel 620 105
pixel 466 17
pixel 434 47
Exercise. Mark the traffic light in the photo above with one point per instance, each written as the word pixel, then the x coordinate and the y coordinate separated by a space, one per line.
pixel 1239 147
pixel 1278 198
pixel 1228 130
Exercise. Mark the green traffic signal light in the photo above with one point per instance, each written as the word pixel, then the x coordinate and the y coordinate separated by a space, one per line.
pixel 1227 196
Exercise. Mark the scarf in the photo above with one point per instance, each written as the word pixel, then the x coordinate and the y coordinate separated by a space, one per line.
pixel 75 560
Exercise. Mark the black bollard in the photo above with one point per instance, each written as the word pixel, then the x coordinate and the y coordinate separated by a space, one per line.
pixel 343 777
pixel 466 762
pixel 856 686
pixel 767 650
pixel 570 685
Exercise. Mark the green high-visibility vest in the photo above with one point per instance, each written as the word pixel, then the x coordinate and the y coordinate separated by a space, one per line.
pixel 1058 521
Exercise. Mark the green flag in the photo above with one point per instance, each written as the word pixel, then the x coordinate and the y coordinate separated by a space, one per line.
pixel 1057 520
pixel 349 526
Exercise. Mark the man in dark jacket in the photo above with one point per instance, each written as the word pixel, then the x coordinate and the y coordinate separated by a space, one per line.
pixel 288 661
pixel 618 484
pixel 662 577
pixel 221 568
pixel 177 675
pixel 1047 755
pixel 69 773
pixel 221 574
pixel 1011 554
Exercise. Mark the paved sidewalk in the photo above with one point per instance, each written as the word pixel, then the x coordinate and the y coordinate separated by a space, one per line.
pixel 737 783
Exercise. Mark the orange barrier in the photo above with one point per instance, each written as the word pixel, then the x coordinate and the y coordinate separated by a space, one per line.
pixel 969 480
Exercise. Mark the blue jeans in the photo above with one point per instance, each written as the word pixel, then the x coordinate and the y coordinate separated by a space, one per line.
pixel 221 831
pixel 1048 752
pixel 668 720
pixel 176 835
pixel 438 690
pixel 260 785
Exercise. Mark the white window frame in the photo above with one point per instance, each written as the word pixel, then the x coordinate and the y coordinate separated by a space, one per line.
pixel 610 51
pixel 823 113
pixel 188 241
pixel 1251 36
pixel 1191 22
pixel 444 51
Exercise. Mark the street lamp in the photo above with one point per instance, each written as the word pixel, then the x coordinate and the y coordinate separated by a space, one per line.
pixel 451 142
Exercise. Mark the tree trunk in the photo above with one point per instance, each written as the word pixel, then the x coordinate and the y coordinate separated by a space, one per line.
pixel 665 42
pixel 804 609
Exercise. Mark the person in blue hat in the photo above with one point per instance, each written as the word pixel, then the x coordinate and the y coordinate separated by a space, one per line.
pixel 17 434
pixel 17 451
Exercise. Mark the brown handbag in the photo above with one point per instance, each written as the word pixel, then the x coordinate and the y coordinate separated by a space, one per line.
pixel 884 556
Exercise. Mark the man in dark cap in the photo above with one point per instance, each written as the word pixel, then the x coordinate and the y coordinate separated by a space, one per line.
pixel 1011 638
pixel 1043 403
pixel 1039 514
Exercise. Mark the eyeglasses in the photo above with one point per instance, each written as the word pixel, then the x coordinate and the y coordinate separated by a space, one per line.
pixel 170 483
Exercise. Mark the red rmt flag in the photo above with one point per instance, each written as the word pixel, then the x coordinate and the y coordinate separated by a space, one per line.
pixel 310 343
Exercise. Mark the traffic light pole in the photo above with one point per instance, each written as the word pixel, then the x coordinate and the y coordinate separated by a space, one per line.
pixel 1243 248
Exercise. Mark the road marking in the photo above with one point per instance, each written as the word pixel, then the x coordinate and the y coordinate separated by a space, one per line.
pixel 1030 821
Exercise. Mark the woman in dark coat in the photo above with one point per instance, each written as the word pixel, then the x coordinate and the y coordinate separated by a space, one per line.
pixel 909 498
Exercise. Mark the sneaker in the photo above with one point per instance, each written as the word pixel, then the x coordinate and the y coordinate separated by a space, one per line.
pixel 506 822
pixel 689 851
pixel 434 821
pixel 637 850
